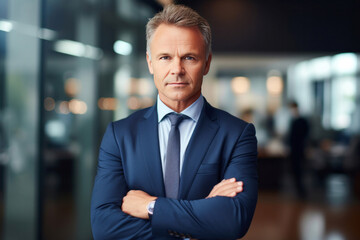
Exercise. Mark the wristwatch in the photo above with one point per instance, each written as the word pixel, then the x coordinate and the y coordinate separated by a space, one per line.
pixel 150 207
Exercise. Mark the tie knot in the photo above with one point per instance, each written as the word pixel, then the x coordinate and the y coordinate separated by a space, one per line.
pixel 176 119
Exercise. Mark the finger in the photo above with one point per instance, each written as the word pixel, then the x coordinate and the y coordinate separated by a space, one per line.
pixel 231 191
pixel 124 198
pixel 135 193
pixel 229 185
pixel 224 182
pixel 227 189
pixel 130 192
pixel 234 188
pixel 216 187
pixel 219 184
pixel 220 187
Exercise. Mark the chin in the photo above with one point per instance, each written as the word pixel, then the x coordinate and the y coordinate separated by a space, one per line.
pixel 179 96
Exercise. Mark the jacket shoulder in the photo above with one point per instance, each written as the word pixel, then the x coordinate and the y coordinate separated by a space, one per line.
pixel 226 119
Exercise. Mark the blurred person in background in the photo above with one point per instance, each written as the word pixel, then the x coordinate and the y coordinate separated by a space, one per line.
pixel 298 135
pixel 181 168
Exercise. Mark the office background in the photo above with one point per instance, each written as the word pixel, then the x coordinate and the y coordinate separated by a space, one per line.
pixel 68 68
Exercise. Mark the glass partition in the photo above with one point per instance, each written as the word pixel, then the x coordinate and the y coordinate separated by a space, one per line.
pixel 3 139
pixel 83 71
pixel 66 70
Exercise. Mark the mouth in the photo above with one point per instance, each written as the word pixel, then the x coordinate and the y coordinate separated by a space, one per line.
pixel 177 84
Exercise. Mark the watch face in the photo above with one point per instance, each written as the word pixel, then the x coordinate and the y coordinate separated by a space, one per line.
pixel 150 207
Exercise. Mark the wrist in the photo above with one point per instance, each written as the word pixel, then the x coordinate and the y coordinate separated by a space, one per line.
pixel 150 207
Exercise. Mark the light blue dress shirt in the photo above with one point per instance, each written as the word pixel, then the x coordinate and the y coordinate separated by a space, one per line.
pixel 186 127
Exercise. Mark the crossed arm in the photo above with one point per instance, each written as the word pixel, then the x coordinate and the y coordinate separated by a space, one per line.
pixel 118 212
pixel 136 201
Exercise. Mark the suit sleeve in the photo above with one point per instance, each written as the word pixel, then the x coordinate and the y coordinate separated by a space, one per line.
pixel 218 217
pixel 107 219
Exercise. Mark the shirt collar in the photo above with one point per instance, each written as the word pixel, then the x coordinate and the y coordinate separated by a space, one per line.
pixel 193 111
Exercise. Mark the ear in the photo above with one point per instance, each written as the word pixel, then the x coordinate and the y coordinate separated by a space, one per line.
pixel 148 60
pixel 207 64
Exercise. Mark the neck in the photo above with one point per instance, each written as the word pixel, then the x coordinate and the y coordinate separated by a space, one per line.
pixel 179 106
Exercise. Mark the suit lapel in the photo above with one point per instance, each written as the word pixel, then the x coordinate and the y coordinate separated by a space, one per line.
pixel 200 141
pixel 149 142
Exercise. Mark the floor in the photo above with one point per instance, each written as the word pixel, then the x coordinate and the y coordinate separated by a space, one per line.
pixel 279 216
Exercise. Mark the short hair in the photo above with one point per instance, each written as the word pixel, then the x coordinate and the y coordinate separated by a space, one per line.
pixel 181 16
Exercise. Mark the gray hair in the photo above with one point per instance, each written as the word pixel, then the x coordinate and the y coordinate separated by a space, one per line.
pixel 180 16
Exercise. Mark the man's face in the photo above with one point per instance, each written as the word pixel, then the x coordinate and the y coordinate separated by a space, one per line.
pixel 178 63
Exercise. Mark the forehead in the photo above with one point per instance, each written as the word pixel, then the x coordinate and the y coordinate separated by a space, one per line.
pixel 171 35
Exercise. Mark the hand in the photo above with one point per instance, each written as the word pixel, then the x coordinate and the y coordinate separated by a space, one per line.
pixel 227 188
pixel 135 203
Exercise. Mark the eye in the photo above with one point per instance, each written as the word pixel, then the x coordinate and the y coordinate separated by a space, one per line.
pixel 164 58
pixel 189 58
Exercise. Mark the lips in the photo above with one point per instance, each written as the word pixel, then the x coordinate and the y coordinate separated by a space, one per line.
pixel 177 83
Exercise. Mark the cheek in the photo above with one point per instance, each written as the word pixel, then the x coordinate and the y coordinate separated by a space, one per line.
pixel 198 70
pixel 198 76
pixel 158 81
pixel 160 71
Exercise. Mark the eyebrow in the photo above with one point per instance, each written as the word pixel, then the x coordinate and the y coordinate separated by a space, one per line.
pixel 168 54
pixel 162 54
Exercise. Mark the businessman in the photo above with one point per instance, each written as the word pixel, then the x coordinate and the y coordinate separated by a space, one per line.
pixel 182 168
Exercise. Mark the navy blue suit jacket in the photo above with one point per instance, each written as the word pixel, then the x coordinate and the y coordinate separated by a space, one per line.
pixel 222 146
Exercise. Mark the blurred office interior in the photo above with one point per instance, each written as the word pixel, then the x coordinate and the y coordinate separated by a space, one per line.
pixel 69 67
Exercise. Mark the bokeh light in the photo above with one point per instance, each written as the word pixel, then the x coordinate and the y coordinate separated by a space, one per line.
pixel 240 85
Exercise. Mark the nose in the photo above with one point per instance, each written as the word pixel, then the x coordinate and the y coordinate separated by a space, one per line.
pixel 176 67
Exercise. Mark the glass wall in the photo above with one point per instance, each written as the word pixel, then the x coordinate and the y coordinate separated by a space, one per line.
pixel 331 82
pixel 60 63
pixel 3 142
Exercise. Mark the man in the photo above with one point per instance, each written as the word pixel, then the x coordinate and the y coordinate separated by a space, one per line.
pixel 298 134
pixel 158 179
